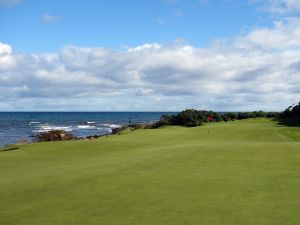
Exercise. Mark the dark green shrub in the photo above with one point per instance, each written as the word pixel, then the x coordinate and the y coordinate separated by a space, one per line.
pixel 291 112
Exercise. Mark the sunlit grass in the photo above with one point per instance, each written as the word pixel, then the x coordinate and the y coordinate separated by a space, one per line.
pixel 242 173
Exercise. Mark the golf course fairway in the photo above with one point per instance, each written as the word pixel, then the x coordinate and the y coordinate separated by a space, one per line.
pixel 242 173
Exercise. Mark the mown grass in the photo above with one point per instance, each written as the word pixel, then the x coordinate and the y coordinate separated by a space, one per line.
pixel 242 173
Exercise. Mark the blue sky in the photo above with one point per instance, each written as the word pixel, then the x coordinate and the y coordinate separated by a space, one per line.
pixel 161 55
pixel 116 23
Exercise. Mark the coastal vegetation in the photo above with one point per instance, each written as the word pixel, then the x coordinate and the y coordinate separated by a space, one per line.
pixel 193 118
pixel 291 112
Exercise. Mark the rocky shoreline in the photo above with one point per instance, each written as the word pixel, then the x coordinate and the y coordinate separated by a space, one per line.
pixel 62 135
pixel 50 136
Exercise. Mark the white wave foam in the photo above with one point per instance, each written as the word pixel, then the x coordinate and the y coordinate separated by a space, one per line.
pixel 112 125
pixel 49 127
pixel 34 122
pixel 85 127
pixel 107 128
pixel 115 126
pixel 90 122
pixel 104 128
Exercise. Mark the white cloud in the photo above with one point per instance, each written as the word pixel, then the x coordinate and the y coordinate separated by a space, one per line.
pixel 284 6
pixel 145 47
pixel 6 58
pixel 285 34
pixel 50 18
pixel 256 71
pixel 281 6
pixel 5 49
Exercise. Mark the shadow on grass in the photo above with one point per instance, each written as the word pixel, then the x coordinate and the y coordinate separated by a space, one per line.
pixel 9 148
pixel 290 122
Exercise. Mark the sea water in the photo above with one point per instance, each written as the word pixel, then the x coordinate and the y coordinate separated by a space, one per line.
pixel 16 126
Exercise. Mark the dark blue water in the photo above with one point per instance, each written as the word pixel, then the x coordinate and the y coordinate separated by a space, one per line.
pixel 15 126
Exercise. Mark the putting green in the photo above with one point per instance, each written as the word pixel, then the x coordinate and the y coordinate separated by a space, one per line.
pixel 243 173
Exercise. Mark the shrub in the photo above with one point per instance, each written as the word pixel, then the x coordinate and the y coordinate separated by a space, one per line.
pixel 291 112
pixel 188 118
pixel 192 117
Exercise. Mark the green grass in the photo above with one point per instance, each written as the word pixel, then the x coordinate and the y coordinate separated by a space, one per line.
pixel 242 173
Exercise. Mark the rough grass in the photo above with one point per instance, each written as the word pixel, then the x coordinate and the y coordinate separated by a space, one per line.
pixel 242 173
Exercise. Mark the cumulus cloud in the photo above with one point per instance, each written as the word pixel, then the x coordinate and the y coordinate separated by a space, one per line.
pixel 5 49
pixel 284 35
pixel 255 71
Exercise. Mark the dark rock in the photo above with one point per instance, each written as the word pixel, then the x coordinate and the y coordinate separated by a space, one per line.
pixel 117 130
pixel 54 135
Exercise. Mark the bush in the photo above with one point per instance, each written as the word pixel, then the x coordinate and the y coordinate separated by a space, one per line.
pixel 231 115
pixel 188 118
pixel 273 115
pixel 192 117
pixel 291 112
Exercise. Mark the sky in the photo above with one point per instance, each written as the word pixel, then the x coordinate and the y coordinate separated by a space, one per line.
pixel 159 55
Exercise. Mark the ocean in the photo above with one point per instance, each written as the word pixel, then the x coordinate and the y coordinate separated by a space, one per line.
pixel 16 126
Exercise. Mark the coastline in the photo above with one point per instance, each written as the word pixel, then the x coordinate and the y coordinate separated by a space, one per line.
pixel 20 126
pixel 63 135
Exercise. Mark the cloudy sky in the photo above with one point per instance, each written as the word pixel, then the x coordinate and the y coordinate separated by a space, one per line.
pixel 159 55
